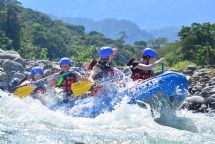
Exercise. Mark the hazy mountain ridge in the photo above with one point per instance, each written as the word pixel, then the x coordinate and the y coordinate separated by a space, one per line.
pixel 171 33
pixel 153 14
pixel 112 27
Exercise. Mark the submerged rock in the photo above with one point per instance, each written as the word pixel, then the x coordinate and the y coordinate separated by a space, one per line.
pixel 195 103
pixel 202 90
pixel 2 75
pixel 211 102
pixel 190 70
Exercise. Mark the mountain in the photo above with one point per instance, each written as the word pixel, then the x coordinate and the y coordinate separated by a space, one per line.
pixel 112 28
pixel 171 33
pixel 36 36
pixel 148 14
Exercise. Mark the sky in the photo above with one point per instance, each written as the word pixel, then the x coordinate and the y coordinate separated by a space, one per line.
pixel 148 14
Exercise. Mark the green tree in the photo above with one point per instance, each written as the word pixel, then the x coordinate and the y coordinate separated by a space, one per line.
pixel 158 42
pixel 13 23
pixel 44 53
pixel 121 40
pixel 140 44
pixel 198 43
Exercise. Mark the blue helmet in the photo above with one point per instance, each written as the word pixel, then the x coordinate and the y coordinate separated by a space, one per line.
pixel 37 70
pixel 105 52
pixel 149 52
pixel 65 60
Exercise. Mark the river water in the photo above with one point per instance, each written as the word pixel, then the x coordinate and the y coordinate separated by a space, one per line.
pixel 26 121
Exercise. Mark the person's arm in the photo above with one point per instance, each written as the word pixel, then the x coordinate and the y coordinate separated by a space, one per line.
pixel 82 78
pixel 94 71
pixel 52 81
pixel 150 66
pixel 27 82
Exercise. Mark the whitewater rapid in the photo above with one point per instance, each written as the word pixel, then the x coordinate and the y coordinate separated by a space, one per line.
pixel 28 121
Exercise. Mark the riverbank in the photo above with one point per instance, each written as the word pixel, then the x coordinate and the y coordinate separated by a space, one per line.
pixel 201 81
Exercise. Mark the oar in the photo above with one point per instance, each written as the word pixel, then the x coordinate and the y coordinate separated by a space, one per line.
pixel 26 90
pixel 162 68
pixel 123 60
pixel 81 87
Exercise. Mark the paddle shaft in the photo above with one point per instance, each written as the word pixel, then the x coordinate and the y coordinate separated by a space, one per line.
pixel 26 90
pixel 123 60
pixel 162 68
pixel 43 81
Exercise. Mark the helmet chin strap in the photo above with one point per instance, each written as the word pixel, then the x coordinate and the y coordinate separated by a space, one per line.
pixel 147 63
pixel 105 59
pixel 147 59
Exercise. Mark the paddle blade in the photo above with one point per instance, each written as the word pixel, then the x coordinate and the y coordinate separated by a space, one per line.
pixel 24 91
pixel 81 87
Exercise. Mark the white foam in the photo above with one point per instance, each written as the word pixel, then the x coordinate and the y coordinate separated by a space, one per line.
pixel 29 121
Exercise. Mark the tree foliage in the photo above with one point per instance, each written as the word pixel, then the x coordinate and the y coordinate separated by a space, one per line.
pixel 36 36
pixel 198 43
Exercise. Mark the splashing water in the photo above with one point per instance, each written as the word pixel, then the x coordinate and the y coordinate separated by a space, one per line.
pixel 29 121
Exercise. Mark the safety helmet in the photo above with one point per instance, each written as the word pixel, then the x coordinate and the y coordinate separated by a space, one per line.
pixel 105 52
pixel 149 52
pixel 65 60
pixel 37 70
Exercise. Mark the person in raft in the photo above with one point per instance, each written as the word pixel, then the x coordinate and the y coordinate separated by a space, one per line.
pixel 143 69
pixel 65 82
pixel 36 75
pixel 103 67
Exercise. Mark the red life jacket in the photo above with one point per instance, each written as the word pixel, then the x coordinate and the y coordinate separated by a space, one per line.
pixel 141 75
pixel 40 90
pixel 67 82
pixel 106 70
pixel 138 73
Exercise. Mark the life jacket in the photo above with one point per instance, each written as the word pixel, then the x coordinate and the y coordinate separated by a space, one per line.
pixel 65 83
pixel 40 90
pixel 106 69
pixel 140 74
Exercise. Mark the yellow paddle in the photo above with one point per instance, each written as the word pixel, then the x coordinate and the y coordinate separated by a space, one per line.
pixel 81 87
pixel 78 88
pixel 26 90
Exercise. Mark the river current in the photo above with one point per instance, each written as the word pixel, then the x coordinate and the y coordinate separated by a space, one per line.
pixel 28 121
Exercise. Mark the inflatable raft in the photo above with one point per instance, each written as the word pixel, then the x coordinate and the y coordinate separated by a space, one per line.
pixel 169 89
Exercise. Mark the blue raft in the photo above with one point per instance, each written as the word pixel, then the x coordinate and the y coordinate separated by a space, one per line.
pixel 169 89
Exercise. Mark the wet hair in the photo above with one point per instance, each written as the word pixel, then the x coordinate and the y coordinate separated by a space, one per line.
pixel 146 57
pixel 92 64
pixel 130 62
pixel 104 59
